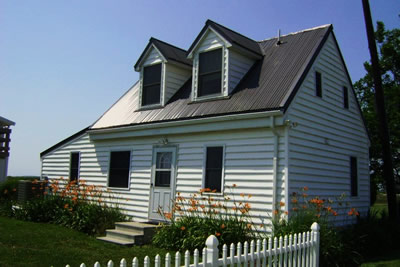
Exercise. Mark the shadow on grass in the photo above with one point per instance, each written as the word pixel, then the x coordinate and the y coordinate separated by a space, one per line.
pixel 391 258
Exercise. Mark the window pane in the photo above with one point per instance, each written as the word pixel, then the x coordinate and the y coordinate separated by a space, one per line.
pixel 152 74
pixel 151 94
pixel 318 84
pixel 213 175
pixel 151 85
pixel 164 160
pixel 209 84
pixel 163 178
pixel 74 166
pixel 119 169
pixel 210 61
pixel 354 176
pixel 345 97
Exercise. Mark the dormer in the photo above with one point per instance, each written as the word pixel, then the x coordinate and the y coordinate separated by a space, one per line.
pixel 221 58
pixel 163 69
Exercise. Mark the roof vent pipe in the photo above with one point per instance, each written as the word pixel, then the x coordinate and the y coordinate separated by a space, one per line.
pixel 279 37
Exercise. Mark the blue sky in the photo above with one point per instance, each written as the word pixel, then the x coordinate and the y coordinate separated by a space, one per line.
pixel 63 63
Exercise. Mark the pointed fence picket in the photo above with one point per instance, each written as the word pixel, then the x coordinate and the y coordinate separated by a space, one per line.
pixel 301 249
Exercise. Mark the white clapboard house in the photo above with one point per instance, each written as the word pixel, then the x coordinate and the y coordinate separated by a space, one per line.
pixel 270 116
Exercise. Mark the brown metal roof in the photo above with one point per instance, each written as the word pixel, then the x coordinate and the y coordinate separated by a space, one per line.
pixel 269 85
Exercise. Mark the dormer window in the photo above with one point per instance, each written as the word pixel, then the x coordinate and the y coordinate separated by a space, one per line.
pixel 151 85
pixel 221 59
pixel 210 73
pixel 163 70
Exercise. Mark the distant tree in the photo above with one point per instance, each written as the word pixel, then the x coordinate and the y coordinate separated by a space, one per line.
pixel 388 42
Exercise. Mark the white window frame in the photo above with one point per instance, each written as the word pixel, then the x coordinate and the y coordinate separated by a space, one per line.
pixel 212 96
pixel 79 165
pixel 322 83
pixel 203 183
pixel 358 176
pixel 348 97
pixel 130 170
pixel 160 104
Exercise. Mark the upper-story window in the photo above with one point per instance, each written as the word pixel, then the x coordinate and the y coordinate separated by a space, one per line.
pixel 151 85
pixel 318 84
pixel 345 97
pixel 74 166
pixel 210 73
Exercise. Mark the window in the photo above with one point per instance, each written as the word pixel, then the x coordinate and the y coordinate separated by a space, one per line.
pixel 213 169
pixel 74 166
pixel 210 73
pixel 119 169
pixel 318 84
pixel 345 97
pixel 163 169
pixel 151 85
pixel 353 177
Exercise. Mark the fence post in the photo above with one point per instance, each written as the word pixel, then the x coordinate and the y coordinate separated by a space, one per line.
pixel 315 234
pixel 212 250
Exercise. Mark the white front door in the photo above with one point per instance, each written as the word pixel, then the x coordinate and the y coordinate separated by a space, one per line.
pixel 162 182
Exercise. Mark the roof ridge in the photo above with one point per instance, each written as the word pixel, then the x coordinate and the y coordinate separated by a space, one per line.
pixel 174 46
pixel 293 33
pixel 209 20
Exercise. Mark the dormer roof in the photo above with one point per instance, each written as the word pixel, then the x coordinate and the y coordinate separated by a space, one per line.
pixel 168 51
pixel 234 38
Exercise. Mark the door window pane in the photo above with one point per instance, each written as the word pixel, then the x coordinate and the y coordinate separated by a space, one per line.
pixel 163 169
pixel 163 178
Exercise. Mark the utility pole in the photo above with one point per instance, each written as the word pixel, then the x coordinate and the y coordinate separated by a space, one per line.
pixel 381 114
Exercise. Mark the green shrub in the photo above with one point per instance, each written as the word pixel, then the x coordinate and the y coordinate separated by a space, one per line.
pixel 193 219
pixel 77 206
pixel 8 189
pixel 334 249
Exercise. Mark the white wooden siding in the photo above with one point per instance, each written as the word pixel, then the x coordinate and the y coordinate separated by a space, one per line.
pixel 210 41
pixel 239 65
pixel 174 79
pixel 248 164
pixel 153 57
pixel 327 134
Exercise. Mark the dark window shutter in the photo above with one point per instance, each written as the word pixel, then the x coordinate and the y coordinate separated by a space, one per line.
pixel 151 85
pixel 74 166
pixel 318 84
pixel 210 71
pixel 213 175
pixel 353 176
pixel 119 169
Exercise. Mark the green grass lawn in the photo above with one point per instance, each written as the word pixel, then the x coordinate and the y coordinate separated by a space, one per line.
pixel 36 244
pixel 391 258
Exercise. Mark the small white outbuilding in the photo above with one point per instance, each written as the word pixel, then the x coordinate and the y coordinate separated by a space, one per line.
pixel 5 132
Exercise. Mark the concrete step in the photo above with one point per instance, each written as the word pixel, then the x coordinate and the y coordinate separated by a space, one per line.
pixel 129 233
pixel 136 237
pixel 116 241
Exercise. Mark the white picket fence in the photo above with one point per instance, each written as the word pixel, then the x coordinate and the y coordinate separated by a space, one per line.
pixel 300 249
